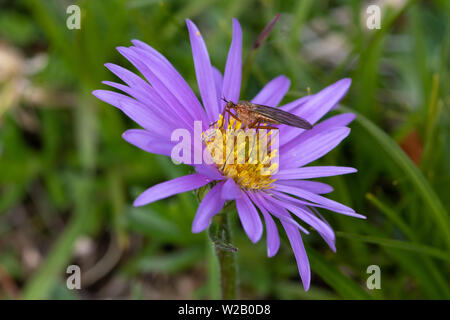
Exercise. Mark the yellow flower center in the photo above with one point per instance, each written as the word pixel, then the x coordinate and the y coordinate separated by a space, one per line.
pixel 246 156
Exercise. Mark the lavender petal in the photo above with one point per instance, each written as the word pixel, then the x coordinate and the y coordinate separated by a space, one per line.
pixel 311 186
pixel 273 239
pixel 170 77
pixel 211 205
pixel 171 187
pixel 295 105
pixel 263 200
pixel 307 217
pixel 218 81
pixel 203 71
pixel 286 197
pixel 323 101
pixel 231 190
pixel 313 148
pixel 273 92
pixel 291 137
pixel 312 172
pixel 249 217
pixel 210 171
pixel 233 68
pixel 300 253
pixel 176 108
pixel 309 196
pixel 138 112
pixel 148 100
pixel 148 142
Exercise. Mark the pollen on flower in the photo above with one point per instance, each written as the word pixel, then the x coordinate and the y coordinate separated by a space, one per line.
pixel 246 156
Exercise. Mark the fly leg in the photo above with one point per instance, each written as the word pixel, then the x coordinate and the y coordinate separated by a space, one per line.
pixel 231 114
pixel 253 125
pixel 232 149
pixel 259 126
pixel 242 127
pixel 266 127
pixel 223 119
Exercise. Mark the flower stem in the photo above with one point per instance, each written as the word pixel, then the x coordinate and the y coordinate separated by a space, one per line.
pixel 221 237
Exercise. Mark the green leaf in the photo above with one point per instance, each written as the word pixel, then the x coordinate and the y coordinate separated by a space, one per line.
pixel 416 247
pixel 347 288
pixel 45 279
pixel 423 188
pixel 171 262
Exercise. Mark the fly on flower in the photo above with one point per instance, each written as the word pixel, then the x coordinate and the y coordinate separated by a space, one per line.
pixel 253 115
pixel 163 103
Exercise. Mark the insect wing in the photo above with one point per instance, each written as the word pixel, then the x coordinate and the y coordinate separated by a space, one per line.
pixel 281 116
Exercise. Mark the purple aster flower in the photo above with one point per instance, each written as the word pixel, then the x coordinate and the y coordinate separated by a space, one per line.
pixel 164 102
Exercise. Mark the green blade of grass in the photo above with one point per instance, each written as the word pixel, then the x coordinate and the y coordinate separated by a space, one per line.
pixel 433 284
pixel 423 188
pixel 45 279
pixel 392 215
pixel 433 114
pixel 167 263
pixel 335 278
pixel 405 245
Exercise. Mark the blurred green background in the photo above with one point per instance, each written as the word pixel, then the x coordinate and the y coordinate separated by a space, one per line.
pixel 67 178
